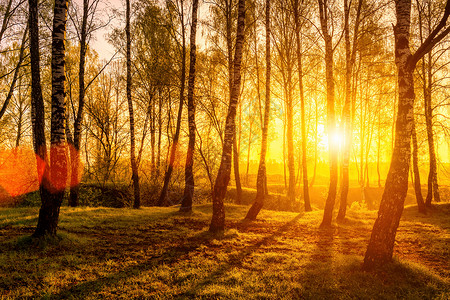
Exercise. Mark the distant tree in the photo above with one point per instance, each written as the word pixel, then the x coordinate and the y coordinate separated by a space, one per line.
pixel 223 175
pixel 284 43
pixel 260 180
pixel 134 165
pixel 428 11
pixel 16 73
pixel 49 212
pixel 83 33
pixel 186 203
pixel 180 11
pixel 417 186
pixel 381 244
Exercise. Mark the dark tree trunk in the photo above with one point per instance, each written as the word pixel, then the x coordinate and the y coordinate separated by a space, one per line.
pixel 237 177
pixel 331 122
pixel 134 164
pixel 261 179
pixel 75 153
pixel 433 187
pixel 350 57
pixel 290 138
pixel 302 104
pixel 173 149
pixel 186 203
pixel 381 244
pixel 37 109
pixel 223 175
pixel 417 186
pixel 49 212
pixel 16 74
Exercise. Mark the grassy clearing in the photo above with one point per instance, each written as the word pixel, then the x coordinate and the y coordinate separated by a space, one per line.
pixel 162 254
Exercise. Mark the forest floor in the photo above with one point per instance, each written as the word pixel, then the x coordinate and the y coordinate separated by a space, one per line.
pixel 163 254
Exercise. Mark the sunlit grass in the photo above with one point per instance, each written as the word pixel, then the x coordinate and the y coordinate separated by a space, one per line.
pixel 161 253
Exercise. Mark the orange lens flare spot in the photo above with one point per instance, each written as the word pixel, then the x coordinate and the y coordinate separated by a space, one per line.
pixel 22 171
pixel 63 172
pixel 18 172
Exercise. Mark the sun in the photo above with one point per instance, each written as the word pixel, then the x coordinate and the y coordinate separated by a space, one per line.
pixel 338 137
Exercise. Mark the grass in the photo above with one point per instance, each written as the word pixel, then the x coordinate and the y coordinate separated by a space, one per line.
pixel 162 254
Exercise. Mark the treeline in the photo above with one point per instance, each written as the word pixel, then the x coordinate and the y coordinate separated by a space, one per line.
pixel 168 106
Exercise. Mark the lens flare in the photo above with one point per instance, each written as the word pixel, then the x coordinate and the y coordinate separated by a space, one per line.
pixel 22 171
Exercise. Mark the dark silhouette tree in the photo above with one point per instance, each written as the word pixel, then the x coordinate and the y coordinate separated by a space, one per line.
pixel 417 185
pixel 186 203
pixel 261 177
pixel 134 164
pixel 297 10
pixel 331 118
pixel 350 57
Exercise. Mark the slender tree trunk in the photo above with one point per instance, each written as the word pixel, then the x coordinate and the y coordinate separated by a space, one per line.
pixel 417 186
pixel 302 104
pixel 331 122
pixel 316 142
pixel 350 57
pixel 6 18
pixel 186 203
pixel 75 153
pixel 16 74
pixel 237 177
pixel 38 124
pixel 379 145
pixel 134 165
pixel 290 138
pixel 433 187
pixel 163 197
pixel 49 212
pixel 248 151
pixel 223 175
pixel 260 181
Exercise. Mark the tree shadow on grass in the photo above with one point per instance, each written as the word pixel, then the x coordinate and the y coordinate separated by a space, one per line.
pixel 170 256
pixel 236 260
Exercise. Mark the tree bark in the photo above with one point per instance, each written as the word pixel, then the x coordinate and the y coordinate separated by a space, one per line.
pixel 331 122
pixel 350 57
pixel 134 165
pixel 381 244
pixel 260 181
pixel 237 177
pixel 75 155
pixel 417 185
pixel 302 105
pixel 433 187
pixel 49 211
pixel 223 175
pixel 186 203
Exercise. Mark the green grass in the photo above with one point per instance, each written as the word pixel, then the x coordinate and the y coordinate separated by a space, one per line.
pixel 162 254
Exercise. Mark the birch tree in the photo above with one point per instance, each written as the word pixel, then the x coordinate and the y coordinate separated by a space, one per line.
pixel 223 175
pixel 381 243
pixel 51 203
pixel 186 203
